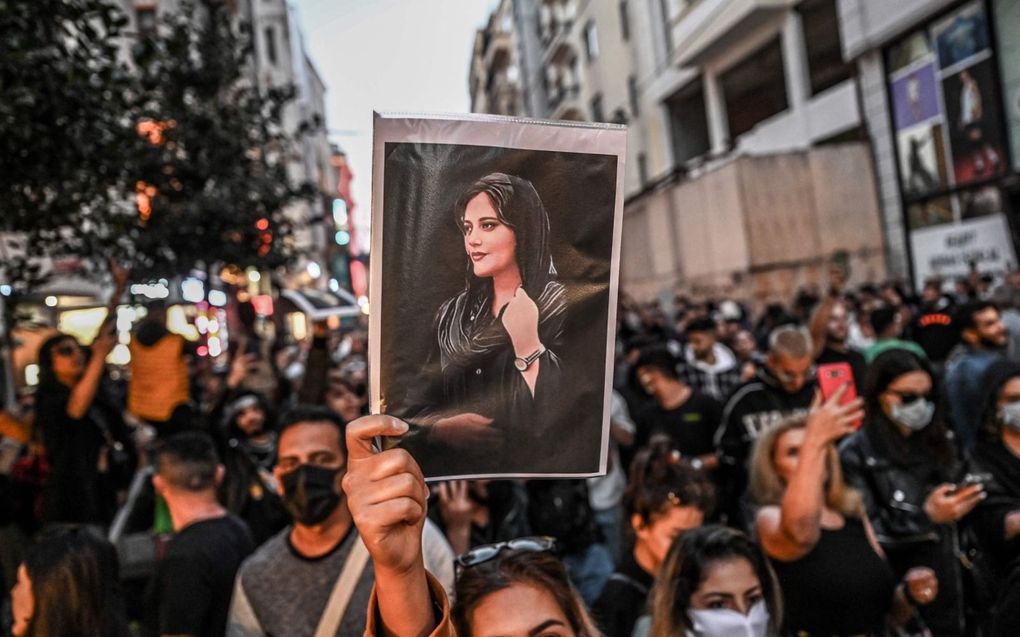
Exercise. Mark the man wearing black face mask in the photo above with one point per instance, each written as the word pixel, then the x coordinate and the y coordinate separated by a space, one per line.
pixel 289 585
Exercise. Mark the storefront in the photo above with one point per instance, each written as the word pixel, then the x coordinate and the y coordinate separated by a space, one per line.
pixel 953 88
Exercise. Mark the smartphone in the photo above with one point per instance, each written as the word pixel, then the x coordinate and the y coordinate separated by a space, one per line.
pixel 971 479
pixel 831 377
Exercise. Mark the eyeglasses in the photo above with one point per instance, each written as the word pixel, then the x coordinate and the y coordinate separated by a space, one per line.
pixel 486 552
pixel 908 397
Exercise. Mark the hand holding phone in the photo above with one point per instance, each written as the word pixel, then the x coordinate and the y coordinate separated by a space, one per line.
pixel 832 377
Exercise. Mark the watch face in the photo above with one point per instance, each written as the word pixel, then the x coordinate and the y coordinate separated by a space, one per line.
pixel 520 364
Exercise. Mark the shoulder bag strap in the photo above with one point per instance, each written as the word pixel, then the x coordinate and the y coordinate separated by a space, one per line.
pixel 354 566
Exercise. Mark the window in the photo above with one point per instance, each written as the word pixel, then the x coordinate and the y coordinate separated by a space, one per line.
pixel 826 65
pixel 597 114
pixel 688 123
pixel 624 21
pixel 271 45
pixel 632 96
pixel 591 41
pixel 145 20
pixel 755 89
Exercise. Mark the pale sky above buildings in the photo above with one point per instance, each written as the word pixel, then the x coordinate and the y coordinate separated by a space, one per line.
pixel 388 55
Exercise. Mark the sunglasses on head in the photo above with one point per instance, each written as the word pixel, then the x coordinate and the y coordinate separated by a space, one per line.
pixel 486 552
pixel 908 397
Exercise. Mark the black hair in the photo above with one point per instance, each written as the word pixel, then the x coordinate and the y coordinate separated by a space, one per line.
pixel 45 358
pixel 886 368
pixel 188 461
pixel 231 413
pixel 992 381
pixel 659 477
pixel 702 325
pixel 75 585
pixel 882 317
pixel 658 358
pixel 519 207
pixel 314 414
pixel 964 317
pixel 687 564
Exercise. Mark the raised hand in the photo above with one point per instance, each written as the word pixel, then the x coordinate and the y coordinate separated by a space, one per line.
pixel 520 320
pixel 829 421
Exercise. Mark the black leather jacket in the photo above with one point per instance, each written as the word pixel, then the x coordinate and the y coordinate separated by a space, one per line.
pixel 894 476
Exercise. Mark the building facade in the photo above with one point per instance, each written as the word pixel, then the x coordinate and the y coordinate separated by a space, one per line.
pixel 940 92
pixel 748 169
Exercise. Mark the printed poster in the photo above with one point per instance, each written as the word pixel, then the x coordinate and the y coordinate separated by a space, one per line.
pixel 495 260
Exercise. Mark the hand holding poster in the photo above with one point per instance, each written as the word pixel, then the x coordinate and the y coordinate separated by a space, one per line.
pixel 495 246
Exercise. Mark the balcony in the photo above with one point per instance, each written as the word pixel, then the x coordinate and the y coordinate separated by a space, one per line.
pixel 498 47
pixel 565 102
pixel 708 25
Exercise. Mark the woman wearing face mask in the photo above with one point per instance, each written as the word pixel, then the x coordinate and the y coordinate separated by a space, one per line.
pixel 811 525
pixel 903 463
pixel 996 520
pixel 665 497
pixel 715 582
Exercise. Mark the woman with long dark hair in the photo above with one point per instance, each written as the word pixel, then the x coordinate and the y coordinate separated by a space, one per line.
pixel 82 430
pixel 69 585
pixel 903 462
pixel 496 340
pixel 715 582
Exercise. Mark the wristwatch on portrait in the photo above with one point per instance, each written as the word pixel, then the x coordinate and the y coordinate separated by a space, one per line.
pixel 522 364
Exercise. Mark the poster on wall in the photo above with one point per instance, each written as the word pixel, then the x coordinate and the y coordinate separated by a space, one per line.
pixel 973 119
pixel 947 251
pixel 915 96
pixel 961 36
pixel 1007 24
pixel 922 156
pixel 495 246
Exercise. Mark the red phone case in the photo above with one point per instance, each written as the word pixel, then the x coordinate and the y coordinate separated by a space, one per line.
pixel 832 376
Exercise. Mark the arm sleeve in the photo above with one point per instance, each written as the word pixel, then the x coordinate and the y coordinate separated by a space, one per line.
pixel 440 603
pixel 242 621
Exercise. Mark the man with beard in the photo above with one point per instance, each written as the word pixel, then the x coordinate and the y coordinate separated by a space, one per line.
pixel 314 575
pixel 983 338
pixel 830 329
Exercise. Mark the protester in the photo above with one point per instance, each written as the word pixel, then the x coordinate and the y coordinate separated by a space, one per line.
pixel 784 387
pixel 933 327
pixel 832 571
pixel 289 585
pixel 248 448
pixel 158 391
pixel 1007 615
pixel 983 339
pixel 665 497
pixel 681 412
pixel 68 585
pixel 996 457
pixel 708 366
pixel 190 592
pixel 85 437
pixel 285 586
pixel 715 582
pixel 748 356
pixel 830 332
pixel 887 323
pixel 513 589
pixel 903 463
pixel 476 512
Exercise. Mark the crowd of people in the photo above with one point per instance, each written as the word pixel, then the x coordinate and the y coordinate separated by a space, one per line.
pixel 844 464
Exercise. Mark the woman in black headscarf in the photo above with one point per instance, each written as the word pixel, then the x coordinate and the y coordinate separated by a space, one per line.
pixel 497 339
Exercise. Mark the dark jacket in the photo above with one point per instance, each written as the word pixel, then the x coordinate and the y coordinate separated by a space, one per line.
pixel 895 475
pixel 1003 497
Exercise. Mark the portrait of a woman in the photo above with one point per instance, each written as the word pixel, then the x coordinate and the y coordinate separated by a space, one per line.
pixel 497 340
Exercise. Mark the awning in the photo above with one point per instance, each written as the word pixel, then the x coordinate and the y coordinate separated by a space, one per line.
pixel 319 305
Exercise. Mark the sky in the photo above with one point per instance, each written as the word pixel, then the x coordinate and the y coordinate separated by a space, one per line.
pixel 388 55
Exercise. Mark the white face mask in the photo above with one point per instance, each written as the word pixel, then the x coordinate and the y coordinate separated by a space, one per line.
pixel 1010 415
pixel 915 416
pixel 723 622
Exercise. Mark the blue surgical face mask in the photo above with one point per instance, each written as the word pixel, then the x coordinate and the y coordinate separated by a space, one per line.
pixel 914 416
pixel 1010 415
pixel 724 622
